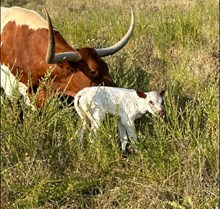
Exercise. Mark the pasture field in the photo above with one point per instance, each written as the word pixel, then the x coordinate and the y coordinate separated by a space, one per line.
pixel 174 47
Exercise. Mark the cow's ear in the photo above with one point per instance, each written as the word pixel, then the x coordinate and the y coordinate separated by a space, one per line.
pixel 162 93
pixel 141 94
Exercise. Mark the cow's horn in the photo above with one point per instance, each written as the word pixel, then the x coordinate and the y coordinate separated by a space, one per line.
pixel 51 56
pixel 113 49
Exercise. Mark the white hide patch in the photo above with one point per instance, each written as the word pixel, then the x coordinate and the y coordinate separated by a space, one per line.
pixel 22 16
pixel 9 82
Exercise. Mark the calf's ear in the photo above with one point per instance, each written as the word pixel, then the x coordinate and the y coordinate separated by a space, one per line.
pixel 141 94
pixel 162 93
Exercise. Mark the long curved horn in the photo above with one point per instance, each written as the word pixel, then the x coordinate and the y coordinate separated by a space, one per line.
pixel 116 47
pixel 51 56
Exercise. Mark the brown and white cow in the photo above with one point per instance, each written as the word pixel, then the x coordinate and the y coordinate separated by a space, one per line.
pixel 30 46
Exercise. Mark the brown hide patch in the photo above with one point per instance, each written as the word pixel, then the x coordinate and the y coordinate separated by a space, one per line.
pixel 24 49
pixel 141 94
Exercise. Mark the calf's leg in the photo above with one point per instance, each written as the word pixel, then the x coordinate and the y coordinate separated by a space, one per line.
pixel 84 125
pixel 131 133
pixel 123 136
pixel 95 118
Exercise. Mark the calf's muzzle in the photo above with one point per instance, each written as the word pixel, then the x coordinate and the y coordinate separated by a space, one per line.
pixel 162 113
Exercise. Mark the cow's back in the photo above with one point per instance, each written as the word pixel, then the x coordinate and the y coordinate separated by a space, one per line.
pixel 22 16
pixel 4 9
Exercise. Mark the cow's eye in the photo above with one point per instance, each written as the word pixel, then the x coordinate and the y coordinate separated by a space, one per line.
pixel 92 72
pixel 72 70
pixel 151 102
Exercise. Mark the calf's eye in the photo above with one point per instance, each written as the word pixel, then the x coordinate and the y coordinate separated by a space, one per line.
pixel 151 102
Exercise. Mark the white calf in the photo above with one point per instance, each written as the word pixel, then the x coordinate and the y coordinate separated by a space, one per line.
pixel 92 104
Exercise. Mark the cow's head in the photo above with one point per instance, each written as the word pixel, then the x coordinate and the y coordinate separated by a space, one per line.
pixel 82 67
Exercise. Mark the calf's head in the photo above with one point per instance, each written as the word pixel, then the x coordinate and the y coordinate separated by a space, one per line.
pixel 154 101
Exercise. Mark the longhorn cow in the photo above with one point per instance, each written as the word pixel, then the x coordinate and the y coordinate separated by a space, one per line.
pixel 30 46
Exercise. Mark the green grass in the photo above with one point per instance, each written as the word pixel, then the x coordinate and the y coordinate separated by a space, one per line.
pixel 174 47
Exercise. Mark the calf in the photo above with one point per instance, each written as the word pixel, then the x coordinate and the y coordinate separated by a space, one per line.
pixel 93 103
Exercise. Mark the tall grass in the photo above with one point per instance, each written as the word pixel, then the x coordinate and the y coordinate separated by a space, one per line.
pixel 174 47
